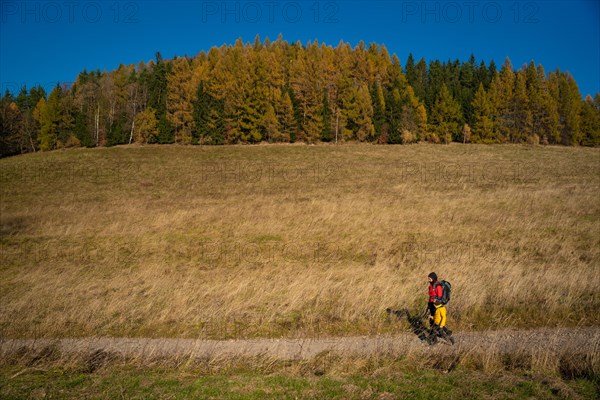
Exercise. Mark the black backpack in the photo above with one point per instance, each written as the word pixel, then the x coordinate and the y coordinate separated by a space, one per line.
pixel 446 290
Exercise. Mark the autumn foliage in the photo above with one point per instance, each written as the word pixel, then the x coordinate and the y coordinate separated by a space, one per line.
pixel 283 92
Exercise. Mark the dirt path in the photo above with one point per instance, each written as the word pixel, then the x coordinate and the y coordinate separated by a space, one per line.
pixel 568 340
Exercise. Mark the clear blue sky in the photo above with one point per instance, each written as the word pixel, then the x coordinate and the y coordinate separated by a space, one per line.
pixel 43 42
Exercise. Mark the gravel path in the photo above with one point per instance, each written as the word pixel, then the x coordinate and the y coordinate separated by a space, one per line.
pixel 565 340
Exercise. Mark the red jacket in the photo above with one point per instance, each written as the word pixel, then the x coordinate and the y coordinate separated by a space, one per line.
pixel 436 293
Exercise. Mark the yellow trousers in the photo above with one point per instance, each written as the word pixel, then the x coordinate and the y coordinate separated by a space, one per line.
pixel 440 316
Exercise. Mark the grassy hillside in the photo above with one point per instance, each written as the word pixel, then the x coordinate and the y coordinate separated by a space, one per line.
pixel 295 240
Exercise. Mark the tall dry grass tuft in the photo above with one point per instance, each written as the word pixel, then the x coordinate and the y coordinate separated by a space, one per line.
pixel 295 240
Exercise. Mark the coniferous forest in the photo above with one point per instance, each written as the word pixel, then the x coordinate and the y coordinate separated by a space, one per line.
pixel 275 91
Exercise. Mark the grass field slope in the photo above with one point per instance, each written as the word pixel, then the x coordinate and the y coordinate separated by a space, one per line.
pixel 295 240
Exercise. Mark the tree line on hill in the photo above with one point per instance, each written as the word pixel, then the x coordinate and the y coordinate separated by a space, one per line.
pixel 281 92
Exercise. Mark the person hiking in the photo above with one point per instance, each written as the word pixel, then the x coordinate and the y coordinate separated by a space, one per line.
pixel 439 296
pixel 437 308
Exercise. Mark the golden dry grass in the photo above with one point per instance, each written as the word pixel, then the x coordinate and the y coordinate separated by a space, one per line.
pixel 295 240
